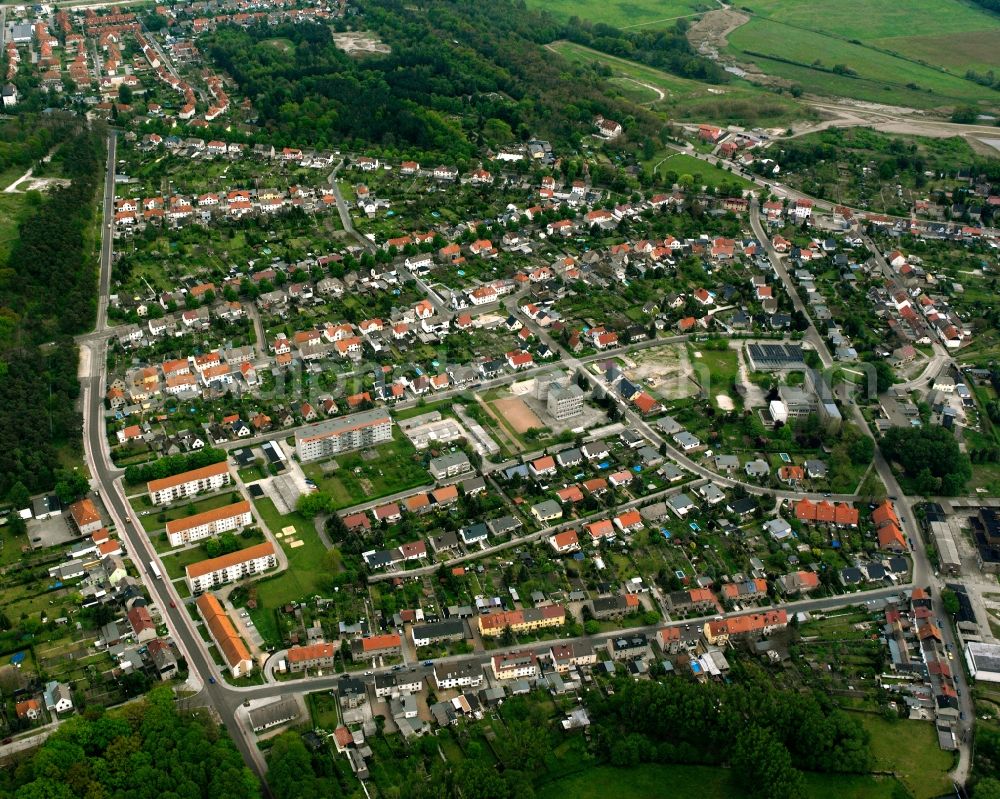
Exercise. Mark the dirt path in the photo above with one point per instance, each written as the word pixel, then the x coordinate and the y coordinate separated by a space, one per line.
pixel 660 94
pixel 12 188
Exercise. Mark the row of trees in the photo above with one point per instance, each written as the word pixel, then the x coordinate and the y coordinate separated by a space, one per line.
pixel 173 464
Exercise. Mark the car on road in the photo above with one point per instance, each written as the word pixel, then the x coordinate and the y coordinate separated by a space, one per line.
pixel 369 673
pixel 8 740
pixel 428 662
pixel 212 680
pixel 172 604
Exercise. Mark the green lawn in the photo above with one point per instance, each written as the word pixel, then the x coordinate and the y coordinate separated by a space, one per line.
pixel 649 780
pixel 307 564
pixel 622 13
pixel 722 368
pixel 910 749
pixel 701 172
pixel 398 467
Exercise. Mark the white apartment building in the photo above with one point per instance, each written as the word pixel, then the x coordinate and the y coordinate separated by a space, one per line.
pixel 211 522
pixel 228 568
pixel 343 434
pixel 187 484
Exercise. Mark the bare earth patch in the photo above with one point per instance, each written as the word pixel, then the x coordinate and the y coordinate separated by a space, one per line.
pixel 517 414
pixel 667 370
pixel 360 43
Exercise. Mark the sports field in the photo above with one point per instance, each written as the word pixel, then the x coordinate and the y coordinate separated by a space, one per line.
pixel 914 53
pixel 623 13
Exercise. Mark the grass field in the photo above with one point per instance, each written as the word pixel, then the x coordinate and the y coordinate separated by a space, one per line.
pixel 793 40
pixel 922 767
pixel 307 564
pixel 12 208
pixel 701 172
pixel 738 102
pixel 622 13
pixel 648 780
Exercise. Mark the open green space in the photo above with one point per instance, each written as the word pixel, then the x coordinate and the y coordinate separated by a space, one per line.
pixel 307 564
pixel 623 13
pixel 739 102
pixel 397 467
pixel 157 519
pixel 835 65
pixel 721 366
pixel 646 780
pixel 920 765
pixel 12 207
pixel 700 172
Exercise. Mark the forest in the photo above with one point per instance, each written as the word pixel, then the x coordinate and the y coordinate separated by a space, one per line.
pixel 459 76
pixel 146 748
pixel 48 290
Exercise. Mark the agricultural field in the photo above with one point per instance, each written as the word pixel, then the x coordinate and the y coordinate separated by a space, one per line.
pixel 964 37
pixel 739 102
pixel 836 64
pixel 623 13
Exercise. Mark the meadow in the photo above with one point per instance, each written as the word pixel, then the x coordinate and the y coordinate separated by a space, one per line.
pixel 623 13
pixel 738 102
pixel 885 44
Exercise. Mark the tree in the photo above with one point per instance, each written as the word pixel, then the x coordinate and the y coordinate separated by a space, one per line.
pixel 763 767
pixel 930 456
pixel 18 496
pixel 949 599
pixel 72 486
pixel 124 94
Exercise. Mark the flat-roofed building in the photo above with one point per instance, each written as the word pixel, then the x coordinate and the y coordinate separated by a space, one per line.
pixel 565 402
pixel 343 434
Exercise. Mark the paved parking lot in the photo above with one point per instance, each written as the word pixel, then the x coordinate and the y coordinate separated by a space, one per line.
pixel 49 532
